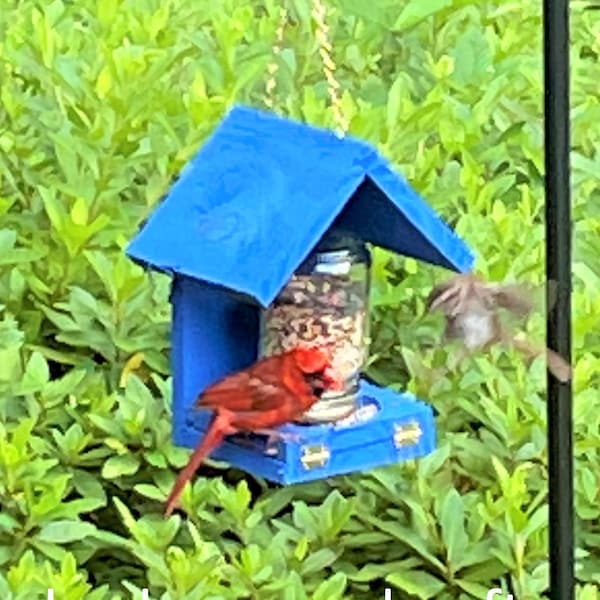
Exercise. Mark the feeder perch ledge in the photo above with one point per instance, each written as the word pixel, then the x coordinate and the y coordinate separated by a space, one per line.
pixel 244 214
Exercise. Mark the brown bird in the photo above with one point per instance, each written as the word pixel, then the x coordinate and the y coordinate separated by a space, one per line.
pixel 472 310
pixel 274 391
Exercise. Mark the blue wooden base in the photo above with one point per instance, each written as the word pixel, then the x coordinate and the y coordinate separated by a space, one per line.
pixel 402 428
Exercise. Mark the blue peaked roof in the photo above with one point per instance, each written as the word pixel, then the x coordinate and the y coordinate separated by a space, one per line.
pixel 262 191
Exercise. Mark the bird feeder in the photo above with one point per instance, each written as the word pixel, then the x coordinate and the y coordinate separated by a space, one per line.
pixel 326 304
pixel 265 234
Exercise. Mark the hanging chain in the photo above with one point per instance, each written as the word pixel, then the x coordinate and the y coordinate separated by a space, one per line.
pixel 274 64
pixel 319 13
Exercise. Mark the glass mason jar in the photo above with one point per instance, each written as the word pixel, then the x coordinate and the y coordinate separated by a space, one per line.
pixel 326 303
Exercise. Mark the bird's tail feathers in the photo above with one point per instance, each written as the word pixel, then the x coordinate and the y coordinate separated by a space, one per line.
pixel 217 430
pixel 559 367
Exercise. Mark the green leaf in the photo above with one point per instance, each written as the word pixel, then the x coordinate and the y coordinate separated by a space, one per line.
pixel 107 12
pixel 149 491
pixel 332 588
pixel 406 536
pixel 64 531
pixel 7 522
pixel 293 588
pixel 393 104
pixel 588 484
pixel 538 520
pixel 452 516
pixel 317 561
pixel 89 486
pixel 79 212
pixel 67 384
pixel 416 11
pixel 117 466
pixel 301 549
pixel 372 571
pixel 37 374
pixel 472 57
pixel 8 238
pixel 418 583
pixel 475 589
pixel 54 209
pixel 376 13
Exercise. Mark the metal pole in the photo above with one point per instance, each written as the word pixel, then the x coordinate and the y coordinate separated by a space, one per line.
pixel 558 275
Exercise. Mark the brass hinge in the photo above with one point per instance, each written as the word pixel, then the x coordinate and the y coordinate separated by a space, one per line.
pixel 314 456
pixel 407 434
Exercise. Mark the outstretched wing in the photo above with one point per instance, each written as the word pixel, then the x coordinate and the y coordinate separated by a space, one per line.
pixel 518 299
pixel 451 297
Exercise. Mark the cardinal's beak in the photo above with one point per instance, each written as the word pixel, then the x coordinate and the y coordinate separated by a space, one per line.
pixel 333 379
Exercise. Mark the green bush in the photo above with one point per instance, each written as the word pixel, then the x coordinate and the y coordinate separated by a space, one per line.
pixel 102 103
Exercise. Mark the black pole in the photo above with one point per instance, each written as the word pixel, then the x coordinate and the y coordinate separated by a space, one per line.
pixel 558 276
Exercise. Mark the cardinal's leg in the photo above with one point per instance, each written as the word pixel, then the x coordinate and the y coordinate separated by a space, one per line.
pixel 274 436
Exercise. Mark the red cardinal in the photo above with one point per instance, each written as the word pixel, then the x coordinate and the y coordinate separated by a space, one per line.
pixel 270 393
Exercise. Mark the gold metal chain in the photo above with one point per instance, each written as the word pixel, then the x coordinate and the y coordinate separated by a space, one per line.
pixel 274 64
pixel 319 14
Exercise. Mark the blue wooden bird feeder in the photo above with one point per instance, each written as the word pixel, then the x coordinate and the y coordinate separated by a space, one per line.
pixel 245 214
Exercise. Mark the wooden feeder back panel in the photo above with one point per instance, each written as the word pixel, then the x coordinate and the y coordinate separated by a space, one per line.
pixel 403 429
pixel 214 333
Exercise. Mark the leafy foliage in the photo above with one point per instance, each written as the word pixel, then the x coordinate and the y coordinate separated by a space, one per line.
pixel 102 105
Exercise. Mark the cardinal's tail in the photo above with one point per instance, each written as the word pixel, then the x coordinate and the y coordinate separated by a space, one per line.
pixel 217 430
